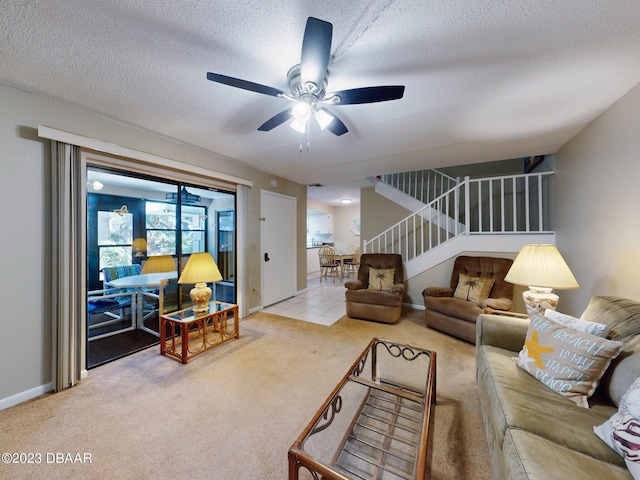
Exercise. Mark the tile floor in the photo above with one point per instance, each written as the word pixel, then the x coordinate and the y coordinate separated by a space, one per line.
pixel 322 303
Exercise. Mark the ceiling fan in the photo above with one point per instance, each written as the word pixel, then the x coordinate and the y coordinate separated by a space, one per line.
pixel 308 85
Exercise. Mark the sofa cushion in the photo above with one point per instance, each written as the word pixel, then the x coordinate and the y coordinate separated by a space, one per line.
pixel 373 297
pixel 528 456
pixel 498 303
pixel 511 398
pixel 473 289
pixel 566 360
pixel 453 307
pixel 623 317
pixel 621 314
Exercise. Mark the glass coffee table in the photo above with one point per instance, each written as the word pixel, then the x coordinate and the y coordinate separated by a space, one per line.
pixel 376 422
pixel 184 335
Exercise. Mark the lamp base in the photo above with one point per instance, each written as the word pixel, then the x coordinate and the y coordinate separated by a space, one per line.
pixel 200 295
pixel 539 299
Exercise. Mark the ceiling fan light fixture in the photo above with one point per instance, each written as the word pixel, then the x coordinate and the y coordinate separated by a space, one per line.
pixel 323 118
pixel 308 86
pixel 299 125
pixel 301 111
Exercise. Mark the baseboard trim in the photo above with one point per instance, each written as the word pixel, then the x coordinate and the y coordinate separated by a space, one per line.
pixel 415 307
pixel 25 396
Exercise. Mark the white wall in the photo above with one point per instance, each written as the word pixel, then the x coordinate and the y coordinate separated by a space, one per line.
pixel 598 203
pixel 319 206
pixel 343 236
pixel 25 345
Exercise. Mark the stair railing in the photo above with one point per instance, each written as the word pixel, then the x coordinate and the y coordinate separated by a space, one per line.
pixel 510 204
pixel 424 185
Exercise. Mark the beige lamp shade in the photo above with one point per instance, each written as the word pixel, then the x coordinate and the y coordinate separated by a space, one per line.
pixel 200 269
pixel 542 266
pixel 159 264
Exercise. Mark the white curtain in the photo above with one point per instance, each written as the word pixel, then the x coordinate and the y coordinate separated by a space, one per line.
pixel 66 255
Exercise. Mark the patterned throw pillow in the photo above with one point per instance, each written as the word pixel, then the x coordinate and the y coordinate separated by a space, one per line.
pixel 622 431
pixel 597 329
pixel 473 289
pixel 566 360
pixel 381 278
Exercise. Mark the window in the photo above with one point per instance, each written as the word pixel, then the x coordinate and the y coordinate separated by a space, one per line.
pixel 115 236
pixel 160 220
pixel 193 229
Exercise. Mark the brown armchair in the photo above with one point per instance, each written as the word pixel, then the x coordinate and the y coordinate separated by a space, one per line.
pixel 457 316
pixel 382 300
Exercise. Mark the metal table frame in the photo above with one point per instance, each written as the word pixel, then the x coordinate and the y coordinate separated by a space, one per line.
pixel 391 413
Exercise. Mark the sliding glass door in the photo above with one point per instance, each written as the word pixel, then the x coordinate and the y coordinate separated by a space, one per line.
pixel 140 234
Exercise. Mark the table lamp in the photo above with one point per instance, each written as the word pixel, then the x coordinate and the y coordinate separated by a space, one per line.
pixel 159 264
pixel 541 268
pixel 200 269
pixel 139 245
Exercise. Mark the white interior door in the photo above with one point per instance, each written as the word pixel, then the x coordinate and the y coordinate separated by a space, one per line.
pixel 278 239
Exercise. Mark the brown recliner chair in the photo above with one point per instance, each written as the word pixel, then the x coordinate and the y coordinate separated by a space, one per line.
pixel 382 301
pixel 457 316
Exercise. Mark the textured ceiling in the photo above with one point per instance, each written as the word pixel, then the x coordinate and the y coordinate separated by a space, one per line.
pixel 485 80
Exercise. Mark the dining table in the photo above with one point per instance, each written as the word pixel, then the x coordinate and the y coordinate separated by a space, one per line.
pixel 138 283
pixel 341 256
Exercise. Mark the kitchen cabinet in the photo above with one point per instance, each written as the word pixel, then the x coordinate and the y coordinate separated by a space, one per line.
pixel 313 262
pixel 320 224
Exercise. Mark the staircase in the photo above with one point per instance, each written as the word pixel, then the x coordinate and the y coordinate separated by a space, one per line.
pixel 451 216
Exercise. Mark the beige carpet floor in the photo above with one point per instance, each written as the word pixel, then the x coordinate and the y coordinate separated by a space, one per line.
pixel 233 412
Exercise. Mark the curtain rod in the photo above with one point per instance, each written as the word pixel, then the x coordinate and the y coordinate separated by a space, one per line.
pixel 114 149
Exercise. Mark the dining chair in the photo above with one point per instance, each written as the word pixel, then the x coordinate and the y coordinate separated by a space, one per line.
pixel 149 304
pixel 329 263
pixel 351 264
pixel 106 308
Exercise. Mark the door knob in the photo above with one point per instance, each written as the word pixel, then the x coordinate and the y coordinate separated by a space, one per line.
pixel 266 257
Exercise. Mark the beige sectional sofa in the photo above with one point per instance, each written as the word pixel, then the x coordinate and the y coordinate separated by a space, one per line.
pixel 534 432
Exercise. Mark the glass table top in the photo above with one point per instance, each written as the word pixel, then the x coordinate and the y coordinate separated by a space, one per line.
pixel 186 314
